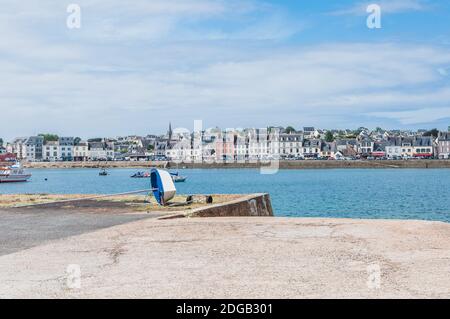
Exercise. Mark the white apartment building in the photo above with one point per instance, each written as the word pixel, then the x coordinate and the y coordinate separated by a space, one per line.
pixel 66 148
pixel 50 151
pixel 81 151
pixel 394 148
pixel 311 148
pixel 290 145
pixel 99 151
pixel 34 148
pixel 393 151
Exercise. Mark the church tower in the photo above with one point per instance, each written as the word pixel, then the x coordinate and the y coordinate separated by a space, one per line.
pixel 170 131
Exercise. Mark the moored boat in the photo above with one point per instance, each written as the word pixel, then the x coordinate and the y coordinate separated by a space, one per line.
pixel 14 173
pixel 177 178
pixel 141 175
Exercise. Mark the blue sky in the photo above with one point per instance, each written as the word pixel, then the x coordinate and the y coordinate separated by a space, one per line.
pixel 133 67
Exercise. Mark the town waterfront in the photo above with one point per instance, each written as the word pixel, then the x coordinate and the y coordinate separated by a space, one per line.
pixel 342 193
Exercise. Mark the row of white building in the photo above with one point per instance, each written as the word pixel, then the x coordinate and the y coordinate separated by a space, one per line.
pixel 216 145
pixel 34 148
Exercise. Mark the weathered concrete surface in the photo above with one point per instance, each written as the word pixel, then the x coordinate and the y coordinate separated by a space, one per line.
pixel 24 228
pixel 239 257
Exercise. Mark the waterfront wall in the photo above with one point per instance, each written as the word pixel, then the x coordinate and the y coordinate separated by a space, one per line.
pixel 313 164
pixel 253 205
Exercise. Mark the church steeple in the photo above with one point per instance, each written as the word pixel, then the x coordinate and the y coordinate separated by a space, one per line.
pixel 170 131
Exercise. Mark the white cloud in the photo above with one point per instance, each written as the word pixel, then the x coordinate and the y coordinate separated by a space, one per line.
pixel 421 116
pixel 123 73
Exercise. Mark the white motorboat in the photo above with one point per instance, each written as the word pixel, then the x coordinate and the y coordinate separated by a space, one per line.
pixel 14 173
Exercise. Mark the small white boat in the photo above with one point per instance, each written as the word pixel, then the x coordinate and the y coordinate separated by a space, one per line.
pixel 177 178
pixel 14 173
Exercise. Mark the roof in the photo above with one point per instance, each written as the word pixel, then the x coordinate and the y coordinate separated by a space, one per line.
pixel 394 141
pixel 35 140
pixel 96 145
pixel 312 143
pixel 346 141
pixel 423 141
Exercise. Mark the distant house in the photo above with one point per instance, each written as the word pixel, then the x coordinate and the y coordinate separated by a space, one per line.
pixel 50 151
pixel 311 148
pixel 365 146
pixel 407 147
pixel 66 145
pixel 81 151
pixel 309 132
pixel 329 150
pixel 379 149
pixel 423 146
pixel 225 146
pixel 290 145
pixel 34 145
pixel 160 148
pixel 18 147
pixel 443 145
pixel 258 144
pixel 394 147
pixel 100 151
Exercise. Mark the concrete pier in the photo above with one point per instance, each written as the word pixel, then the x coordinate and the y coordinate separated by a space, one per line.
pixel 124 252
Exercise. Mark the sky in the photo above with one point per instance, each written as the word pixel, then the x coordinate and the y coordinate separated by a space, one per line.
pixel 133 67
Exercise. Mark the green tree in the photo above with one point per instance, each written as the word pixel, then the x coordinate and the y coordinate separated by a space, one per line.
pixel 290 130
pixel 150 147
pixel 1 141
pixel 49 137
pixel 329 137
pixel 434 132
pixel 76 140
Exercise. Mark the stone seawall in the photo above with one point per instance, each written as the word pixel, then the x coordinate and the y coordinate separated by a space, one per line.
pixel 254 205
pixel 313 164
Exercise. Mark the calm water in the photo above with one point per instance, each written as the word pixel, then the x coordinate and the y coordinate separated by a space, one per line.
pixel 354 193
